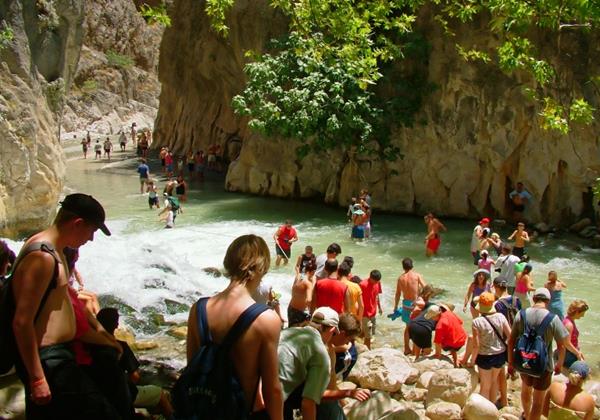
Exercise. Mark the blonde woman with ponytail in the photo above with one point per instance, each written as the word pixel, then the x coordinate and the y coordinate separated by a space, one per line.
pixel 569 401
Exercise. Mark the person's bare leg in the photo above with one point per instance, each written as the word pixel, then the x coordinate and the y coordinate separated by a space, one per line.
pixel 416 351
pixel 454 358
pixel 526 392
pixel 494 385
pixel 537 404
pixel 503 386
pixel 406 341
pixel 485 383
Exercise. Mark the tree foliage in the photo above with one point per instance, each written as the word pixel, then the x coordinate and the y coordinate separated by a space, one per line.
pixel 156 15
pixel 318 84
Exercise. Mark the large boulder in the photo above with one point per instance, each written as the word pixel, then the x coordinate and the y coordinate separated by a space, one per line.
pixel 580 225
pixel 478 407
pixel 432 364
pixel 402 412
pixel 451 385
pixel 383 369
pixel 373 408
pixel 443 411
pixel 423 381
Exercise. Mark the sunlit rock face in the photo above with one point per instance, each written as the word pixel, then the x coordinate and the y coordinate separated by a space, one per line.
pixel 36 66
pixel 476 135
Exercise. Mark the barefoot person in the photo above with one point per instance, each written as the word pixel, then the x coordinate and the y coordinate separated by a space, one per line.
pixel 247 260
pixel 301 295
pixel 409 285
pixel 284 237
pixel 433 240
pixel 570 401
pixel 521 237
pixel 44 321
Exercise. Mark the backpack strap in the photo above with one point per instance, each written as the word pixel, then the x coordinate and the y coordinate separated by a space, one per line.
pixel 243 323
pixel 202 321
pixel 541 329
pixel 45 247
pixel 495 331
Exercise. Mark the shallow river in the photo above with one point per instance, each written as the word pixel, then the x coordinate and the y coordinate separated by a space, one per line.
pixel 150 268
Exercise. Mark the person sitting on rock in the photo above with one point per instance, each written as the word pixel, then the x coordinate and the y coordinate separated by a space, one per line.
pixel 449 332
pixel 570 401
pixel 144 396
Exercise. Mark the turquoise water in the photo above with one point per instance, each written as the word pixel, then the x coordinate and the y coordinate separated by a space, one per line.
pixel 144 264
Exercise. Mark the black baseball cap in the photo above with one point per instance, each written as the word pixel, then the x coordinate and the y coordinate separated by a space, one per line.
pixel 88 208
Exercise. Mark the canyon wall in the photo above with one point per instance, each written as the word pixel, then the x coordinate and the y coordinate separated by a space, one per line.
pixel 36 68
pixel 479 135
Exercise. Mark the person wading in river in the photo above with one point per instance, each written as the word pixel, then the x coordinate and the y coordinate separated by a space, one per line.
pixel 284 237
pixel 433 240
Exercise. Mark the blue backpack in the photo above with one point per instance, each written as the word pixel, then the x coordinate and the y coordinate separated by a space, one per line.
pixel 208 388
pixel 9 354
pixel 531 351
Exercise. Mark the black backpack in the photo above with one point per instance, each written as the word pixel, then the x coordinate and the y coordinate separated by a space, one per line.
pixel 531 351
pixel 208 388
pixel 8 347
pixel 509 308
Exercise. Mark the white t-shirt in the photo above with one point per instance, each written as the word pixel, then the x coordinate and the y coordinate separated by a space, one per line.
pixel 489 342
pixel 506 264
pixel 170 216
pixel 475 238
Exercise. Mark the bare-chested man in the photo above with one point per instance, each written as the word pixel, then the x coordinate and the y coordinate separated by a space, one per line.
pixel 302 290
pixel 44 321
pixel 433 240
pixel 409 285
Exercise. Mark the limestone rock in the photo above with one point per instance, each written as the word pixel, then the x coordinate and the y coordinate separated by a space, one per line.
pixel 431 364
pixel 374 407
pixel 443 411
pixel 596 241
pixel 347 385
pixel 588 232
pixel 423 381
pixel 509 412
pixel 125 334
pixel 178 332
pixel 145 345
pixel 478 407
pixel 580 225
pixel 542 227
pixel 451 385
pixel 402 412
pixel 507 416
pixel 383 369
pixel 412 393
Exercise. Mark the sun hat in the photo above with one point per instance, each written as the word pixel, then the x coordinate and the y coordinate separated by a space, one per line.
pixel 446 306
pixel 359 212
pixel 88 208
pixel 482 270
pixel 542 293
pixel 484 252
pixel 581 368
pixel 326 316
pixel 432 312
pixel 485 303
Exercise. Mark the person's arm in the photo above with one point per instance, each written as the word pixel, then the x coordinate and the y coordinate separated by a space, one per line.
pixel 569 346
pixel 309 409
pixel 563 284
pixel 347 301
pixel 530 284
pixel 270 327
pixel 361 306
pixel 398 295
pixel 560 347
pixel 359 394
pixel 192 340
pixel 309 292
pixel 276 234
pixel 525 236
pixel 510 238
pixel 298 262
pixel 467 297
pixel 78 278
pixel 294 237
pixel 475 349
pixel 32 278
pixel 379 305
pixel 313 301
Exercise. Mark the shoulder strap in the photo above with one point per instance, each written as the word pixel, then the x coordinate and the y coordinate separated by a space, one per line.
pixel 203 330
pixel 496 331
pixel 541 329
pixel 46 247
pixel 243 323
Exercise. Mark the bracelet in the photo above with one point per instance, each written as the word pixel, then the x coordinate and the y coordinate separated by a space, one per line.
pixel 36 383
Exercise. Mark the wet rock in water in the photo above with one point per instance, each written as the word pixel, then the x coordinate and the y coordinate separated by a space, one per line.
pixel 451 385
pixel 154 283
pixel 178 332
pixel 596 241
pixel 143 326
pixel 443 411
pixel 12 397
pixel 478 407
pixel 575 247
pixel 588 232
pixel 213 271
pixel 164 268
pixel 125 334
pixel 542 227
pixel 431 364
pixel 497 223
pixel 580 225
pixel 154 372
pixel 383 369
pixel 145 345
pixel 110 301
pixel 174 307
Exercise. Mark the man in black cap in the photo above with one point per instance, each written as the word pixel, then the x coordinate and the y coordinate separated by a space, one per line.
pixel 44 321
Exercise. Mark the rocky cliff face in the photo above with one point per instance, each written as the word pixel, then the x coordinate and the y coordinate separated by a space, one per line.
pixel 116 81
pixel 36 66
pixel 480 137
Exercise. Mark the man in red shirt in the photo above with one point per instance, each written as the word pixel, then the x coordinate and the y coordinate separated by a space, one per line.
pixel 371 289
pixel 284 237
pixel 449 332
pixel 331 291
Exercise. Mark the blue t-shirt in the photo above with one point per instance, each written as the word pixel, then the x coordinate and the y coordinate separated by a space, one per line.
pixel 143 170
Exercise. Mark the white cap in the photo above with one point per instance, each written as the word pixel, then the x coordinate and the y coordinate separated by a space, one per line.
pixel 542 292
pixel 326 316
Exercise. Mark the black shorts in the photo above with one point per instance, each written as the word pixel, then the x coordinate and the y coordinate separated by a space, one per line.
pixel 296 317
pixel 520 208
pixel 420 336
pixel 153 201
pixel 485 361
pixel 162 162
pixel 280 252
pixel 74 394
pixel 519 252
pixel 541 384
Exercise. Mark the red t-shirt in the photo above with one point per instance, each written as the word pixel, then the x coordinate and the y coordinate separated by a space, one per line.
pixel 331 292
pixel 285 234
pixel 370 290
pixel 449 331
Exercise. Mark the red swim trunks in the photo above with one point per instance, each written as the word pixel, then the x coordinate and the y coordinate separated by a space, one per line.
pixel 434 244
